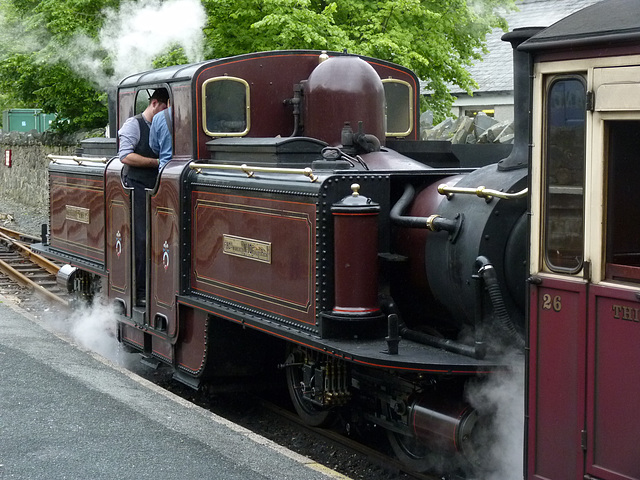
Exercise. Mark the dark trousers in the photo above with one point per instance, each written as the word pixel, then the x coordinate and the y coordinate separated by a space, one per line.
pixel 139 234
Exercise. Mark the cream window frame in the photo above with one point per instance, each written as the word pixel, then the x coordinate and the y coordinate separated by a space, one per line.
pixel 247 107
pixel 410 109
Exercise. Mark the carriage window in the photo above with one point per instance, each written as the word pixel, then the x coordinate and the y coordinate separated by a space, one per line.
pixel 225 107
pixel 564 174
pixel 623 201
pixel 399 97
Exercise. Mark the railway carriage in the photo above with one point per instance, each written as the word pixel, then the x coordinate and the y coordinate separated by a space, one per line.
pixel 301 222
pixel 584 265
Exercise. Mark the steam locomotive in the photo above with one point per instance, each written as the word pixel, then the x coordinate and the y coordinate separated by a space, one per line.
pixel 302 222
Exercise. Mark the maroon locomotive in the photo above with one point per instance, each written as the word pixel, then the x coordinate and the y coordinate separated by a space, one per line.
pixel 286 230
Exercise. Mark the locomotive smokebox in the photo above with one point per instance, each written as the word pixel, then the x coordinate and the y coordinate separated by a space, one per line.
pixel 339 90
pixel 356 255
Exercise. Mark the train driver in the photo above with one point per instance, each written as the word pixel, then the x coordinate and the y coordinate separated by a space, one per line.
pixel 160 139
pixel 140 172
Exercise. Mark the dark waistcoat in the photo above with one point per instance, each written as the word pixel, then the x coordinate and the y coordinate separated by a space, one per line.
pixel 146 175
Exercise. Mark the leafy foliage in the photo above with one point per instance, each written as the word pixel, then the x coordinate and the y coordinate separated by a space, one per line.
pixel 437 39
pixel 174 56
pixel 32 71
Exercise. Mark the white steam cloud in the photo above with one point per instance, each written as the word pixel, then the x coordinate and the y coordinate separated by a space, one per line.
pixel 94 328
pixel 131 37
pixel 136 33
pixel 502 397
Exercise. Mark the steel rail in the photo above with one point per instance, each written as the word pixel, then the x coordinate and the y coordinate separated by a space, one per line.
pixel 19 235
pixel 27 253
pixel 25 281
pixel 15 275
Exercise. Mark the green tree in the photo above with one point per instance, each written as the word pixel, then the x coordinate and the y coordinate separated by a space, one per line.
pixel 437 39
pixel 33 69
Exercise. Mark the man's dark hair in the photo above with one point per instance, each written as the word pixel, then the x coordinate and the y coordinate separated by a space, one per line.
pixel 160 94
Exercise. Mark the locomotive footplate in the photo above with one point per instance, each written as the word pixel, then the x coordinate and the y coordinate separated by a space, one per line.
pixel 411 357
pixel 64 258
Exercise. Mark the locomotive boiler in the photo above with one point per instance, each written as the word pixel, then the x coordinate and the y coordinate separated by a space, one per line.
pixel 285 231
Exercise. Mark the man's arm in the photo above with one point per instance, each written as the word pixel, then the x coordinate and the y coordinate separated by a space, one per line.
pixel 129 136
pixel 137 160
pixel 160 139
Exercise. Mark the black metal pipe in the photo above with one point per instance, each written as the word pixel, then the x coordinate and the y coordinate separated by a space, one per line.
pixel 488 274
pixel 405 332
pixel 443 343
pixel 401 205
pixel 434 223
pixel 44 233
pixel 393 338
pixel 522 102
pixel 478 327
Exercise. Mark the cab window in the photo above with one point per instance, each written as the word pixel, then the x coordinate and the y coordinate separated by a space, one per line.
pixel 226 107
pixel 142 101
pixel 399 98
pixel 564 173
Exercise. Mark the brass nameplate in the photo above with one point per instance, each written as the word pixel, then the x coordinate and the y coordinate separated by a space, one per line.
pixel 247 248
pixel 77 214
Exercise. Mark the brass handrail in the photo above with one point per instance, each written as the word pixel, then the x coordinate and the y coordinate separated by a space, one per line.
pixel 307 172
pixel 78 160
pixel 481 191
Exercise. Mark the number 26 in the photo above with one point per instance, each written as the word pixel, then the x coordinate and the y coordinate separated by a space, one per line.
pixel 549 302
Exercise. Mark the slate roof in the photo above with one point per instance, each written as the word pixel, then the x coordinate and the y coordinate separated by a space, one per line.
pixel 495 73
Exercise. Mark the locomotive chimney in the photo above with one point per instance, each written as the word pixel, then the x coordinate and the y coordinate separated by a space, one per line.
pixel 522 98
pixel 112 95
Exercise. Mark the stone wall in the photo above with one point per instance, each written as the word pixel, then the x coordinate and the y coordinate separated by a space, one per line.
pixel 26 181
pixel 467 130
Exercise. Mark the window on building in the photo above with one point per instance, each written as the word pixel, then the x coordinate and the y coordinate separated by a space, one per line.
pixel 225 106
pixel 399 98
pixel 564 171
pixel 489 112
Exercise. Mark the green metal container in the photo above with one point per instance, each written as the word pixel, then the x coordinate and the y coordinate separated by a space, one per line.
pixel 26 119
pixel 45 121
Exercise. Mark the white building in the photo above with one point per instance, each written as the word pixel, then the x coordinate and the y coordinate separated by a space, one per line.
pixel 494 74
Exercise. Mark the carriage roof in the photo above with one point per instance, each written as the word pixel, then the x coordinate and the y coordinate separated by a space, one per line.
pixel 601 24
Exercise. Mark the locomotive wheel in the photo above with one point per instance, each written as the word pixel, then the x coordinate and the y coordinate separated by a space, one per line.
pixel 311 414
pixel 413 455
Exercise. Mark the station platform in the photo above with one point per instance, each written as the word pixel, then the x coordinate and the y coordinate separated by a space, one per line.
pixel 69 413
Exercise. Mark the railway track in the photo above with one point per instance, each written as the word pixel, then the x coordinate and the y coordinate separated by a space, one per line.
pixel 266 412
pixel 390 464
pixel 23 272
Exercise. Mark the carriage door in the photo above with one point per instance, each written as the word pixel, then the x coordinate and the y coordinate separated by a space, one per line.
pixel 613 372
pixel 558 302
